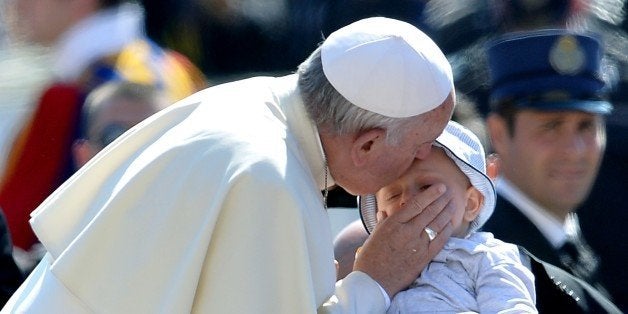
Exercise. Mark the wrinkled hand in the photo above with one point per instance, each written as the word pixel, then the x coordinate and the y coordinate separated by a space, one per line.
pixel 399 249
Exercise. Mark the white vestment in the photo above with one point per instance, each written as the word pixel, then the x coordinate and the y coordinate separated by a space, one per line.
pixel 212 205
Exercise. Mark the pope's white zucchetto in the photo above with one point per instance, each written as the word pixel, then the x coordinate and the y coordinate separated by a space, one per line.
pixel 387 66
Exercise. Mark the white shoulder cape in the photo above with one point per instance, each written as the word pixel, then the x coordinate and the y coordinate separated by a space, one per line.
pixel 211 206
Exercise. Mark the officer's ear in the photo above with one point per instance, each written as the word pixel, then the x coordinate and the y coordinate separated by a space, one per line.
pixel 492 166
pixel 367 146
pixel 497 130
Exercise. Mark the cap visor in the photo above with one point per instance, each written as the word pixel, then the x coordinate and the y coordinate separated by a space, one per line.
pixel 590 106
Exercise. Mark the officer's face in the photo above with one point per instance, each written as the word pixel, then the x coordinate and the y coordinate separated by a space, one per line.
pixel 553 157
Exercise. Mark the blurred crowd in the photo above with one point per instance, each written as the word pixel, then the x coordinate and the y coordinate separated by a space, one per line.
pixel 237 37
pixel 230 39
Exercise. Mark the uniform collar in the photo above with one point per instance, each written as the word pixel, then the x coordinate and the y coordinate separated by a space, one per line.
pixel 554 230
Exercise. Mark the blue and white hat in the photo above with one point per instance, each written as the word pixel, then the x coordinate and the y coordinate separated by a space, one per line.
pixel 466 150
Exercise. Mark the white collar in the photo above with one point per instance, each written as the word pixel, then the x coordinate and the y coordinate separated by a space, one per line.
pixel 554 230
pixel 103 33
pixel 304 130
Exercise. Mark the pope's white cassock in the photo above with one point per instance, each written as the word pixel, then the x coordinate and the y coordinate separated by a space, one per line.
pixel 210 206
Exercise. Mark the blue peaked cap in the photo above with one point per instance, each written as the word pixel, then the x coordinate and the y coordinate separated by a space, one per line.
pixel 551 69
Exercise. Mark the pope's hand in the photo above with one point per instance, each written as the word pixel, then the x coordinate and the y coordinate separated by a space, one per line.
pixel 399 248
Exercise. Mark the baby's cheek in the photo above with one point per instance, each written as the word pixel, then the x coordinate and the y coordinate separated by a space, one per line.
pixel 458 221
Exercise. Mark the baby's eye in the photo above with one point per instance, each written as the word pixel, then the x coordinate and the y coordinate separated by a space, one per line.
pixel 425 187
pixel 392 197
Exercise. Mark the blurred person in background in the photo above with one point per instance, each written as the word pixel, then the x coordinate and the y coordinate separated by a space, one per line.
pixel 547 126
pixel 110 110
pixel 462 29
pixel 24 73
pixel 91 42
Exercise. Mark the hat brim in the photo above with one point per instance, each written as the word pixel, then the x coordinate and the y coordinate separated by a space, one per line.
pixel 591 106
pixel 367 206
pixel 478 179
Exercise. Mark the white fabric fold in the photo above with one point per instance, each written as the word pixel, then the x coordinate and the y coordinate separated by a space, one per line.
pixel 209 206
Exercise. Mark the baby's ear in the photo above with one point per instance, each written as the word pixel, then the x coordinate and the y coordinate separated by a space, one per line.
pixel 475 199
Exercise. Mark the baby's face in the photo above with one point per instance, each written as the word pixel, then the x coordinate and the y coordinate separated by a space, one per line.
pixel 436 168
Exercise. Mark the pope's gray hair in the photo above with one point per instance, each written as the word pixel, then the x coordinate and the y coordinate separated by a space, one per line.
pixel 329 109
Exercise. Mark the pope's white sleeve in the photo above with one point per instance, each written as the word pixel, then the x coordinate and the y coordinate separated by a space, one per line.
pixel 357 293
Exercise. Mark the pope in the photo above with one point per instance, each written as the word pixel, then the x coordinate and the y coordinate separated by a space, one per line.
pixel 214 204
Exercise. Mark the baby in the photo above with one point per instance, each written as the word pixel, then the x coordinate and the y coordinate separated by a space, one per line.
pixel 474 272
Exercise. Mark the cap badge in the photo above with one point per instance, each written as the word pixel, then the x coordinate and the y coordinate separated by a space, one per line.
pixel 566 56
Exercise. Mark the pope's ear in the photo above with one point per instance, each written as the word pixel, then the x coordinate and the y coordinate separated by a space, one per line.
pixel 366 146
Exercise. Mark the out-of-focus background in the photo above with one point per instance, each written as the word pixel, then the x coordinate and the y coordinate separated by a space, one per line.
pixel 234 38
